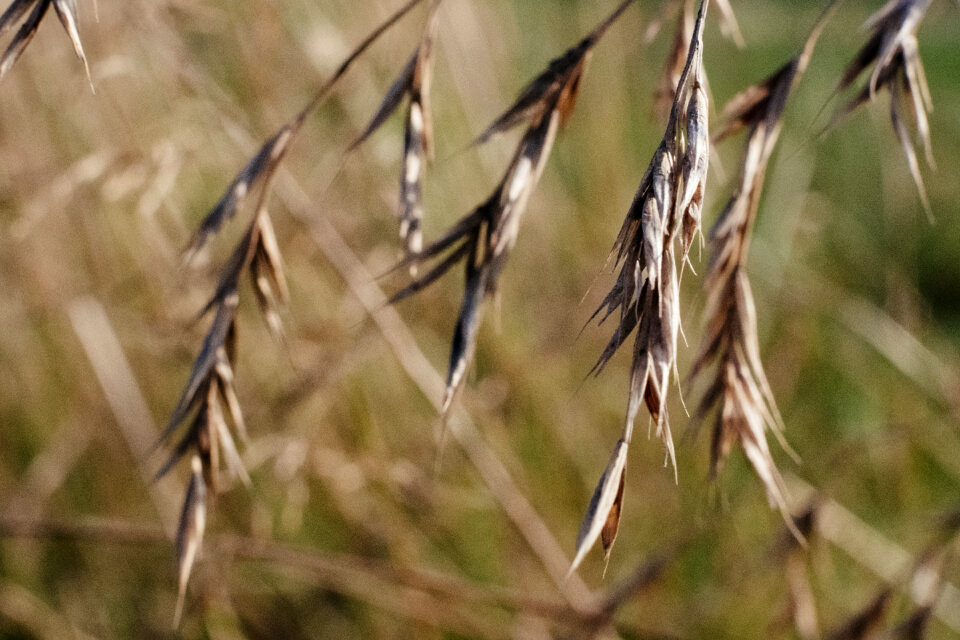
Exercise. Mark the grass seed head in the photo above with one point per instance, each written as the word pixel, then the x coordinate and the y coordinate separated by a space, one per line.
pixel 646 291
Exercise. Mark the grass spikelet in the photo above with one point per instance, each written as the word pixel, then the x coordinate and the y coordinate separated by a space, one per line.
pixel 747 409
pixel 66 11
pixel 414 82
pixel 603 513
pixel 256 174
pixel 210 394
pixel 555 89
pixel 483 239
pixel 193 522
pixel 895 55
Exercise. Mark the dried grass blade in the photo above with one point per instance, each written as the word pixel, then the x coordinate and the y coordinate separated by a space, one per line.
pixel 603 513
pixel 803 601
pixel 728 23
pixel 866 622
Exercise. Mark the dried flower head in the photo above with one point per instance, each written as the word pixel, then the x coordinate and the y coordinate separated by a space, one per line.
pixel 668 201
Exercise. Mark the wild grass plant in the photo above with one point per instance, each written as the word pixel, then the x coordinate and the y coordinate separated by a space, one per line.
pixel 232 402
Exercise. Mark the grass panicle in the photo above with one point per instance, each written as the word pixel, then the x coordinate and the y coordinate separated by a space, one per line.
pixel 211 387
pixel 393 525
pixel 483 239
pixel 746 408
pixel 664 212
pixel 645 292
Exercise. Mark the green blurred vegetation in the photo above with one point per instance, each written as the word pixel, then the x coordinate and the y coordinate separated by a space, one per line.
pixel 858 298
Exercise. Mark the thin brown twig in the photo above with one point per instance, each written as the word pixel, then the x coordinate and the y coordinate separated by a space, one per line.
pixel 344 567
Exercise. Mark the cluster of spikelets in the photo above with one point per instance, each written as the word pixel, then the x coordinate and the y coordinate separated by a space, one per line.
pixel 482 240
pixel 210 386
pixel 651 249
pixel 667 209
pixel 893 52
pixel 665 212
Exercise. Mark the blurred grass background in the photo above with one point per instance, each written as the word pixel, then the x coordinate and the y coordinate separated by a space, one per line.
pixel 858 297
